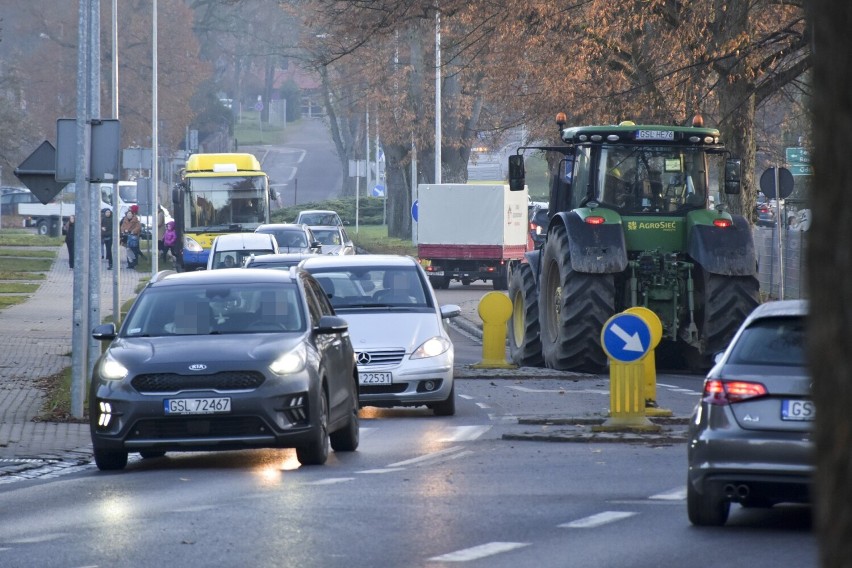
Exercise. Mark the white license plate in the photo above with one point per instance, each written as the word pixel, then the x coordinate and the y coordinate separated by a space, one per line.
pixel 375 378
pixel 436 273
pixel 212 405
pixel 798 410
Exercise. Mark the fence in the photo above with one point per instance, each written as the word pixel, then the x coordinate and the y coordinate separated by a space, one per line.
pixel 793 247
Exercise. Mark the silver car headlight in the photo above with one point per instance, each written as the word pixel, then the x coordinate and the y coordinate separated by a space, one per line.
pixel 291 362
pixel 432 348
pixel 112 370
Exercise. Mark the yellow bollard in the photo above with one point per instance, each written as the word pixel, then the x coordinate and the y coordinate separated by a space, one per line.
pixel 649 368
pixel 626 340
pixel 494 309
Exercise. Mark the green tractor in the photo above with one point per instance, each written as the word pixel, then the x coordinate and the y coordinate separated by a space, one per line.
pixel 631 225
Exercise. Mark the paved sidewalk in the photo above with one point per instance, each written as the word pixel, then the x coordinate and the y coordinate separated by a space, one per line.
pixel 36 343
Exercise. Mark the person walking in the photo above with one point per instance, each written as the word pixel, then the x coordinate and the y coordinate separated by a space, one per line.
pixel 130 230
pixel 106 234
pixel 68 230
pixel 169 241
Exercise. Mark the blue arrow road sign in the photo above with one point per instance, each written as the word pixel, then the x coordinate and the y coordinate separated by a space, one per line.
pixel 626 338
pixel 414 209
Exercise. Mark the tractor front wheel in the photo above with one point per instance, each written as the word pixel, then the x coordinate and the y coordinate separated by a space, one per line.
pixel 524 342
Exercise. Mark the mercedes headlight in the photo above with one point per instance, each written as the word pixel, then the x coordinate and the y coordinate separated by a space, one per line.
pixel 432 348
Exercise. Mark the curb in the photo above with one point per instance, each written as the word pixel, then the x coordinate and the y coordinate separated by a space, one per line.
pixel 673 430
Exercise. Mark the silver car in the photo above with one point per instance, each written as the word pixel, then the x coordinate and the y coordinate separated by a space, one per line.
pixel 750 434
pixel 404 353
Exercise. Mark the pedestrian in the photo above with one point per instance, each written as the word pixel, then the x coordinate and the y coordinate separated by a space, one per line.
pixel 169 241
pixel 68 231
pixel 161 227
pixel 106 234
pixel 130 230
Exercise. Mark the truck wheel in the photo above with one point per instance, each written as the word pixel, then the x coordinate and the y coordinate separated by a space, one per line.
pixel 501 278
pixel 524 341
pixel 726 301
pixel 41 228
pixel 573 308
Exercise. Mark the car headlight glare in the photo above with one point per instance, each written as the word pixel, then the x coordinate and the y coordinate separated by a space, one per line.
pixel 291 362
pixel 432 348
pixel 112 370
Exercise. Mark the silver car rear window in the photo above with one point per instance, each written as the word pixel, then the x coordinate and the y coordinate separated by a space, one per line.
pixel 771 341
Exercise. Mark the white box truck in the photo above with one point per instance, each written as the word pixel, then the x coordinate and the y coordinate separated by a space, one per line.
pixel 469 232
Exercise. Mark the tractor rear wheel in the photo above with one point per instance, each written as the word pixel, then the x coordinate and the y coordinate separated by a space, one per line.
pixel 524 342
pixel 573 308
pixel 726 301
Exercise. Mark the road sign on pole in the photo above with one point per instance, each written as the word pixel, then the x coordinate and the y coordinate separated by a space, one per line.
pixel 37 172
pixel 626 337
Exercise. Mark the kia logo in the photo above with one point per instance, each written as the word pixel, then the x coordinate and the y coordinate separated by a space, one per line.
pixel 364 358
pixel 197 367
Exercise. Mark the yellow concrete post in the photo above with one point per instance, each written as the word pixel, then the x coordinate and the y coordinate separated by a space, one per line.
pixel 649 368
pixel 494 309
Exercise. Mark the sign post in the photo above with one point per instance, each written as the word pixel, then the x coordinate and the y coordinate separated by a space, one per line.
pixel 626 340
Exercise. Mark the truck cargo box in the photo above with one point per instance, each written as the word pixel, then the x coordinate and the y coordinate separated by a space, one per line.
pixel 471 221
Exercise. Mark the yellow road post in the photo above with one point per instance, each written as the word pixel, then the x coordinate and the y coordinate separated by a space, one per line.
pixel 649 368
pixel 626 340
pixel 494 309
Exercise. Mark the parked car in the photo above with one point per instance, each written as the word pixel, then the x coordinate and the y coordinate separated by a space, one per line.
pixel 313 217
pixel 223 360
pixel 539 222
pixel 765 211
pixel 281 261
pixel 334 240
pixel 232 250
pixel 405 356
pixel 750 434
pixel 10 200
pixel 292 237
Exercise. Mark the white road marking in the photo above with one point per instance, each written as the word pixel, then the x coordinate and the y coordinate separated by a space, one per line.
pixel 331 480
pixel 503 418
pixel 384 470
pixel 465 433
pixel 483 405
pixel 678 494
pixel 427 457
pixel 597 520
pixel 565 391
pixel 465 396
pixel 477 552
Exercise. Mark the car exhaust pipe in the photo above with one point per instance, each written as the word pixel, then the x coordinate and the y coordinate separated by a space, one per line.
pixel 730 491
pixel 742 492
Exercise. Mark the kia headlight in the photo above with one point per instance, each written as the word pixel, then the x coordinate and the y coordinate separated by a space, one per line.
pixel 291 362
pixel 432 348
pixel 112 370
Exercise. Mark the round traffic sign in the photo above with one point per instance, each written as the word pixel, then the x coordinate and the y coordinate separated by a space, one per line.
pixel 414 208
pixel 653 321
pixel 785 183
pixel 626 337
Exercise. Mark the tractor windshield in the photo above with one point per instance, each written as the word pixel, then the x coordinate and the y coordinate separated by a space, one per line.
pixel 651 179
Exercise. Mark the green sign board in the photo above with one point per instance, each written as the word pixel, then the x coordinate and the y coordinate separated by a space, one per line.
pixel 801 169
pixel 798 156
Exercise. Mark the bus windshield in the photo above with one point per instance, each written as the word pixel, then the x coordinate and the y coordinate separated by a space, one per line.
pixel 220 203
pixel 643 179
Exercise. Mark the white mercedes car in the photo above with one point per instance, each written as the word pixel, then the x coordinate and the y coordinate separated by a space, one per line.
pixel 404 353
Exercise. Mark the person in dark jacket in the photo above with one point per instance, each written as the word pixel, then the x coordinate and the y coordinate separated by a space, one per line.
pixel 68 229
pixel 106 234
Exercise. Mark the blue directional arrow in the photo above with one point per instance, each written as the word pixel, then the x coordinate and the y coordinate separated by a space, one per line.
pixel 626 337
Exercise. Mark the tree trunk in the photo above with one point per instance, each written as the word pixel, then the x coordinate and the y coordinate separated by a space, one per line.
pixel 829 273
pixel 736 105
pixel 398 183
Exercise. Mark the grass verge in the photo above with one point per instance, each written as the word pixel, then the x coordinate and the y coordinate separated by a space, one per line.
pixel 374 238
pixel 57 402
